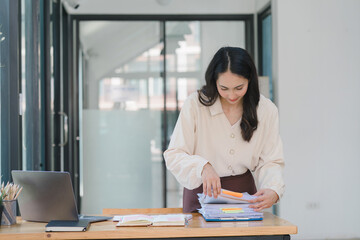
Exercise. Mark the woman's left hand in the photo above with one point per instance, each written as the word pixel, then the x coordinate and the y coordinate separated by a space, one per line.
pixel 265 199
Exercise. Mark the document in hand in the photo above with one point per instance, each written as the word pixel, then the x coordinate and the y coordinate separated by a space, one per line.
pixel 228 206
pixel 151 220
pixel 227 196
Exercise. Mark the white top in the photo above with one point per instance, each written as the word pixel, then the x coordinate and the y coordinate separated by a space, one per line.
pixel 203 134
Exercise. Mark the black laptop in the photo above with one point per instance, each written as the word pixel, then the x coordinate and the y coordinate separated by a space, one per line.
pixel 48 195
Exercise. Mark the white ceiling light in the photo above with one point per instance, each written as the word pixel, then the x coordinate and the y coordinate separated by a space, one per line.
pixel 163 2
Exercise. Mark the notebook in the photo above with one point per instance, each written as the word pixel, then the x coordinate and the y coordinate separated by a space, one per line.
pixel 67 226
pixel 48 195
pixel 152 220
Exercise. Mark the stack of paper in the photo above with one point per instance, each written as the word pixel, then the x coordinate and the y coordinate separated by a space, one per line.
pixel 228 206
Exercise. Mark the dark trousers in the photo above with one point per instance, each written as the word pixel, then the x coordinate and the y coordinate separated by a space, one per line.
pixel 239 183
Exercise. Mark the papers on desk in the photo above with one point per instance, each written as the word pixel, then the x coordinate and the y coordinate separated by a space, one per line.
pixel 152 220
pixel 229 212
pixel 228 206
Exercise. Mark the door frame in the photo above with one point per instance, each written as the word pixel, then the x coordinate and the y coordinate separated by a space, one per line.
pixel 71 82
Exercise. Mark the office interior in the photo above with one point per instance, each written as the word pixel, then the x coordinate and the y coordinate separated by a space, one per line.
pixel 95 87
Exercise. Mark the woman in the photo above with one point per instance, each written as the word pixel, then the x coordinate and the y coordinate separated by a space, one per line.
pixel 224 132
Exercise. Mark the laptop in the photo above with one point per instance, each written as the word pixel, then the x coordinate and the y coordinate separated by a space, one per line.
pixel 48 195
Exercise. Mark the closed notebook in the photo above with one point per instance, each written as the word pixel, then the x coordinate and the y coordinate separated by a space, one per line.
pixel 151 220
pixel 67 226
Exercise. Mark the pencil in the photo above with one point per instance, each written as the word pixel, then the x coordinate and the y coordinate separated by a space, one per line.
pixel 17 194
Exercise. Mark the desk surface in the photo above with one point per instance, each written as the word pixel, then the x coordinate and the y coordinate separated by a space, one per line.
pixel 197 227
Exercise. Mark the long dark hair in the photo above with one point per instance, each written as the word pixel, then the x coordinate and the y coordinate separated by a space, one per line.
pixel 239 62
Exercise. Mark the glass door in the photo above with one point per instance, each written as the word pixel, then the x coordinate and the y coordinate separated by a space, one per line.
pixel 121 115
pixel 130 100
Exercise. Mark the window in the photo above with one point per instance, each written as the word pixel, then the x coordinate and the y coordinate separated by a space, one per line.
pixel 135 78
pixel 9 98
pixel 265 52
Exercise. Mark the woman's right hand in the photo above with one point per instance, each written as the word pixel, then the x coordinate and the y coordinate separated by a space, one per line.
pixel 211 180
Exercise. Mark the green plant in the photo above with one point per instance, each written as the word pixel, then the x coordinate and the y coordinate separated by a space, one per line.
pixel 9 192
pixel 2 195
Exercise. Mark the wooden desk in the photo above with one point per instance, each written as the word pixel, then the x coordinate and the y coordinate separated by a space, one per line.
pixel 271 227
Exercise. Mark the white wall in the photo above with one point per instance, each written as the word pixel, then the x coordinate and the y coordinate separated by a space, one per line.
pixel 214 36
pixel 318 84
pixel 260 5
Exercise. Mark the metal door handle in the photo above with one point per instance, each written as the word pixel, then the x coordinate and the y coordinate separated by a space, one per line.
pixel 66 129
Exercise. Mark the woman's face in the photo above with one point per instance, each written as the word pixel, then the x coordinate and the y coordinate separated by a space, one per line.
pixel 232 87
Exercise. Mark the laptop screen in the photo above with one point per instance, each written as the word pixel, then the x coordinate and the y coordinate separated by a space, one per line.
pixel 45 196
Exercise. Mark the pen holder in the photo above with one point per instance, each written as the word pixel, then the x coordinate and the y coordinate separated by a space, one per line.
pixel 9 212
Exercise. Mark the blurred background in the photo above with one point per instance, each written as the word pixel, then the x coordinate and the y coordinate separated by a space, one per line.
pixel 95 88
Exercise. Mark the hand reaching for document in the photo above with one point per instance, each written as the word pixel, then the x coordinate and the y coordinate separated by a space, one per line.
pixel 266 198
pixel 211 180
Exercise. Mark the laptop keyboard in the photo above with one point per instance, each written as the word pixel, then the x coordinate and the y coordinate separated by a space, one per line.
pixel 94 218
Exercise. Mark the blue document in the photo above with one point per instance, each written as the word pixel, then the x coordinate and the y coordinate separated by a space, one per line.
pixel 229 212
pixel 228 208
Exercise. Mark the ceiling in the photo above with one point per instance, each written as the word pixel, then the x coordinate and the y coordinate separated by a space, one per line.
pixel 90 7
